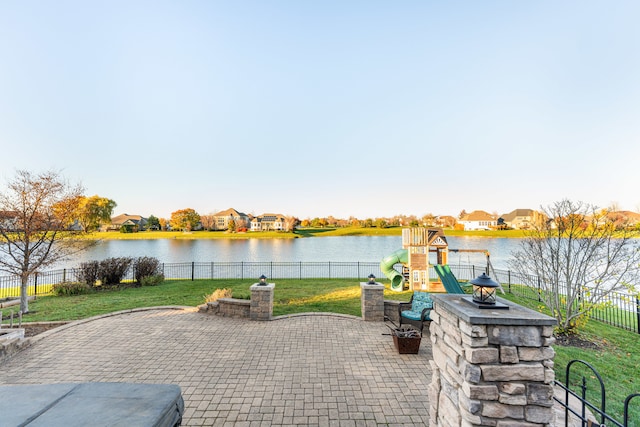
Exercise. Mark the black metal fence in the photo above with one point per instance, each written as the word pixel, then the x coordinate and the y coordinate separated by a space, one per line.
pixel 617 308
pixel 584 399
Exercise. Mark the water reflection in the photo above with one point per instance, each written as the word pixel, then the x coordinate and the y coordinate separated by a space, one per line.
pixel 317 249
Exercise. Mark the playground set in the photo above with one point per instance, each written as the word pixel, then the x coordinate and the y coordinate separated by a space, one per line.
pixel 417 244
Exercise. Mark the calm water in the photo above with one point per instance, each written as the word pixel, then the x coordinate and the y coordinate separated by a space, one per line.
pixel 360 248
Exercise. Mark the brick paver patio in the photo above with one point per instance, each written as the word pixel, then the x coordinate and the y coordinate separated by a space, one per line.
pixel 315 370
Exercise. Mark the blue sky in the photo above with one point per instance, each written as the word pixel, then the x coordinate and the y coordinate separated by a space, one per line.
pixel 363 108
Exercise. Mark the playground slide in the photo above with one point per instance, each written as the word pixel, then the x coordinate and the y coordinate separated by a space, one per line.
pixel 386 266
pixel 449 281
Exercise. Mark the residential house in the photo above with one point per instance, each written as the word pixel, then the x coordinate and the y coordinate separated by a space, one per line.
pixel 627 218
pixel 520 219
pixel 135 222
pixel 268 222
pixel 478 220
pixel 222 219
pixel 9 220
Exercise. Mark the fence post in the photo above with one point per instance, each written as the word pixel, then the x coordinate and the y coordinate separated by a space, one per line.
pixel 193 268
pixel 64 274
pixel 539 285
pixel 509 279
pixel 359 270
pixel 242 270
pixel 638 313
pixel 329 269
pixel 300 270
pixel 35 284
pixel 271 269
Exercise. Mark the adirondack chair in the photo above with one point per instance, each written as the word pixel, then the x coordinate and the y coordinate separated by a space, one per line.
pixel 416 311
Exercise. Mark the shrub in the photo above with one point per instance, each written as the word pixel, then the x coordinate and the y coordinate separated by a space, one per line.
pixel 217 294
pixel 146 266
pixel 89 272
pixel 70 288
pixel 113 270
pixel 153 280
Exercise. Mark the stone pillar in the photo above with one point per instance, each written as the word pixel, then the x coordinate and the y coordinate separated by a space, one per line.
pixel 261 301
pixel 372 302
pixel 490 367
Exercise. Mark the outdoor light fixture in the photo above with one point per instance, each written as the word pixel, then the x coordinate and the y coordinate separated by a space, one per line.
pixel 372 279
pixel 484 293
pixel 263 280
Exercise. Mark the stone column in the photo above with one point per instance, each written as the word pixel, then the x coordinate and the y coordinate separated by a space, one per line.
pixel 490 367
pixel 261 301
pixel 372 302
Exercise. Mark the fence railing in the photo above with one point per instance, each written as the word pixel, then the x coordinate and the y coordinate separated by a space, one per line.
pixel 617 308
pixel 584 398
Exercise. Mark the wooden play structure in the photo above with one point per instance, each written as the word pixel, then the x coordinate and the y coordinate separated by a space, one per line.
pixel 418 243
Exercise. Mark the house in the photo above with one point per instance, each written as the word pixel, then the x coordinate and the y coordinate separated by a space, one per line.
pixel 9 220
pixel 626 218
pixel 222 219
pixel 268 222
pixel 134 222
pixel 520 219
pixel 478 220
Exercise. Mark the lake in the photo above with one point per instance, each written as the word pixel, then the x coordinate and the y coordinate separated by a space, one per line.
pixel 315 249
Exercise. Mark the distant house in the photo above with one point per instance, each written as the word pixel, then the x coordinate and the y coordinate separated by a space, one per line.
pixel 520 219
pixel 627 218
pixel 446 221
pixel 222 219
pixel 9 220
pixel 478 220
pixel 268 222
pixel 135 222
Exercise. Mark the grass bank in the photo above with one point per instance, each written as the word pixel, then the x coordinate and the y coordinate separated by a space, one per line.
pixel 299 233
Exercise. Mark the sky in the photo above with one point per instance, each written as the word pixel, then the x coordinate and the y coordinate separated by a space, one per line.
pixel 343 108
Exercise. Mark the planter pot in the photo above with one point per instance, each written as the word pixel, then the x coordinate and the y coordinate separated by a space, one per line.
pixel 407 341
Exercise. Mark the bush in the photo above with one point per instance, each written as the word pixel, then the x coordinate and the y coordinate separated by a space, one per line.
pixel 217 294
pixel 70 288
pixel 153 280
pixel 113 270
pixel 89 272
pixel 146 267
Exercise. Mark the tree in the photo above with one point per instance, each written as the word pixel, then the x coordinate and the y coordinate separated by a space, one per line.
pixel 37 210
pixel 94 211
pixel 576 257
pixel 153 223
pixel 208 221
pixel 184 219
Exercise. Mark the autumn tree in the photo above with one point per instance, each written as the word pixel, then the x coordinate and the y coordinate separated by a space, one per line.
pixel 37 210
pixel 290 223
pixel 576 258
pixel 94 211
pixel 184 219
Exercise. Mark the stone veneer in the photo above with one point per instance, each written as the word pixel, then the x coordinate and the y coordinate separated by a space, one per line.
pixel 261 301
pixel 490 367
pixel 372 302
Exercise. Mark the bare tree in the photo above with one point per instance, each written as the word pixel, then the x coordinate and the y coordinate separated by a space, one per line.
pixel 208 221
pixel 34 229
pixel 576 258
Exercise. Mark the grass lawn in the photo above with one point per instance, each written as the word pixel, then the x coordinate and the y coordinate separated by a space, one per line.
pixel 299 233
pixel 616 355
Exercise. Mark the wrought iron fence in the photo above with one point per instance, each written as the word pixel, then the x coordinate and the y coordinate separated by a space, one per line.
pixel 618 309
pixel 584 398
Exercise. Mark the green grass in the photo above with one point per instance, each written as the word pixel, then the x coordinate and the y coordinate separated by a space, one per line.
pixel 291 296
pixel 299 233
pixel 617 357
pixel 617 360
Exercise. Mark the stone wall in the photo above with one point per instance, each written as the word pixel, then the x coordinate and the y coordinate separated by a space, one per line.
pixel 490 367
pixel 372 302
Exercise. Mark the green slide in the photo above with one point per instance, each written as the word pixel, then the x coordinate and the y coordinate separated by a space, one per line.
pixel 386 266
pixel 449 281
